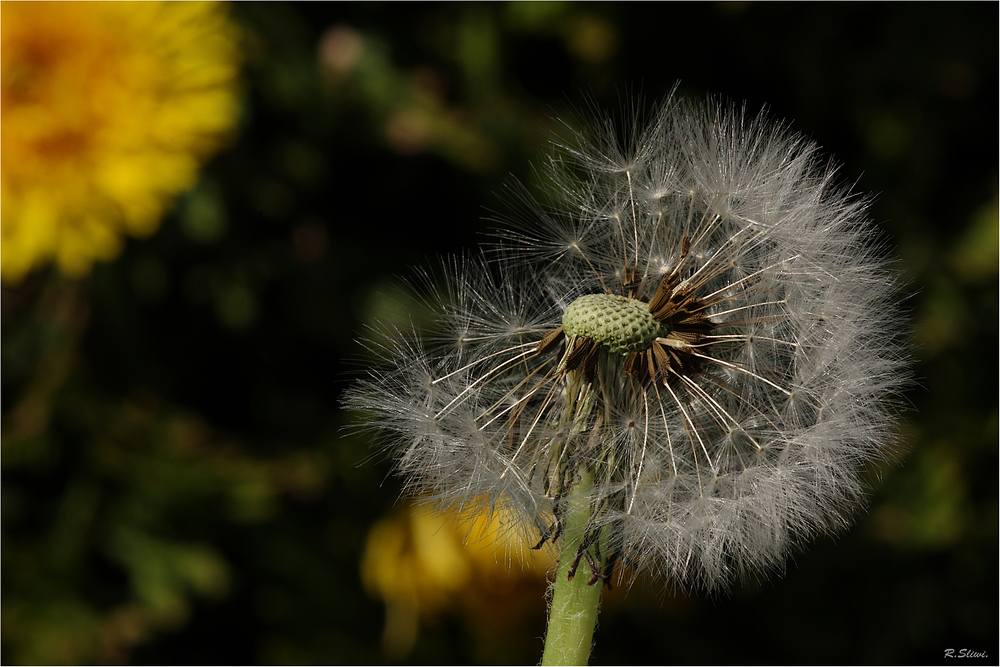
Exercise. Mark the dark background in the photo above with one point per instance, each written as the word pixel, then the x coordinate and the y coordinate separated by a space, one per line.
pixel 176 484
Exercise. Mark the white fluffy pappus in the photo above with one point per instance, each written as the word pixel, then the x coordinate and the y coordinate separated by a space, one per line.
pixel 739 369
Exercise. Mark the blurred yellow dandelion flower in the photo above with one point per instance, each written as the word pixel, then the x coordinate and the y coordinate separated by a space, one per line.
pixel 421 562
pixel 108 108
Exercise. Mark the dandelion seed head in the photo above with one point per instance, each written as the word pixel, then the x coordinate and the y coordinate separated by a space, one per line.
pixel 699 316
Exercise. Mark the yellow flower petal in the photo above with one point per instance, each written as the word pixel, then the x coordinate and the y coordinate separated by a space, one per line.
pixel 108 109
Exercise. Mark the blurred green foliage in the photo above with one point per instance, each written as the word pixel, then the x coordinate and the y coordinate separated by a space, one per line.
pixel 176 484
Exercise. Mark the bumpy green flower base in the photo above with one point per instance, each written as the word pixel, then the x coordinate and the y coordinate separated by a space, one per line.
pixel 618 323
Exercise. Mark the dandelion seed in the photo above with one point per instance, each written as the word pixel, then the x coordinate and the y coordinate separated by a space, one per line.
pixel 695 344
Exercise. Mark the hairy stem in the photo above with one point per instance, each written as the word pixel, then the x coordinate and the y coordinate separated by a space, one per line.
pixel 573 613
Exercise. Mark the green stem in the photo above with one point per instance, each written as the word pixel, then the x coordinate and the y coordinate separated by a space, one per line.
pixel 573 613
